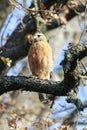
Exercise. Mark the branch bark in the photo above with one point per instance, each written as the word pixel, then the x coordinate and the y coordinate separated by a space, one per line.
pixel 30 84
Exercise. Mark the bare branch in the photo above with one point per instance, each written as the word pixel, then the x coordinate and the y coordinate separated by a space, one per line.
pixel 29 84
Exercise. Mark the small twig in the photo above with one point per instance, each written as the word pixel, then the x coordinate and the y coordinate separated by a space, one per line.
pixel 52 102
pixel 15 4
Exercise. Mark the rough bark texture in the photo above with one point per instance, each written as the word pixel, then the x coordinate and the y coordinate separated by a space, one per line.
pixel 30 84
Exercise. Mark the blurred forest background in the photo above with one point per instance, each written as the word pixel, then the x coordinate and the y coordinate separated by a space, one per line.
pixel 22 110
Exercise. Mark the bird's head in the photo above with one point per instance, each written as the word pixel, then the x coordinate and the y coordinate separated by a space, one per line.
pixel 39 37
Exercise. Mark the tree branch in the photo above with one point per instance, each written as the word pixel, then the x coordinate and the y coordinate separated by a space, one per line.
pixel 30 84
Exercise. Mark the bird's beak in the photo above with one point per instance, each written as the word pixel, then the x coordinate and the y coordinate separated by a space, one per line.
pixel 35 38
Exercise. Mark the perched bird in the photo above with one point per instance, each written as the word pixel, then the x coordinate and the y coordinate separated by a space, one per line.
pixel 40 59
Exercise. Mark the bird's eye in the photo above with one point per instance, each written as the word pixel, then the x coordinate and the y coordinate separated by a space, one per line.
pixel 38 35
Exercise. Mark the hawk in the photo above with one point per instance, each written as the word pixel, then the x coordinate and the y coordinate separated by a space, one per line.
pixel 40 59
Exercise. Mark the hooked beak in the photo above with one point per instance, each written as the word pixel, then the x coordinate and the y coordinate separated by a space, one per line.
pixel 35 38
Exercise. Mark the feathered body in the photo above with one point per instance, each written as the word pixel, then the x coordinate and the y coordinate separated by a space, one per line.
pixel 40 57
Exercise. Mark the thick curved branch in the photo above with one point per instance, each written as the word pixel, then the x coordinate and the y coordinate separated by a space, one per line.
pixel 72 55
pixel 70 62
pixel 30 84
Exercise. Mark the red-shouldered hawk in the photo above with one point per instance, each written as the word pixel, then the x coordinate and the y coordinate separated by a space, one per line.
pixel 40 58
